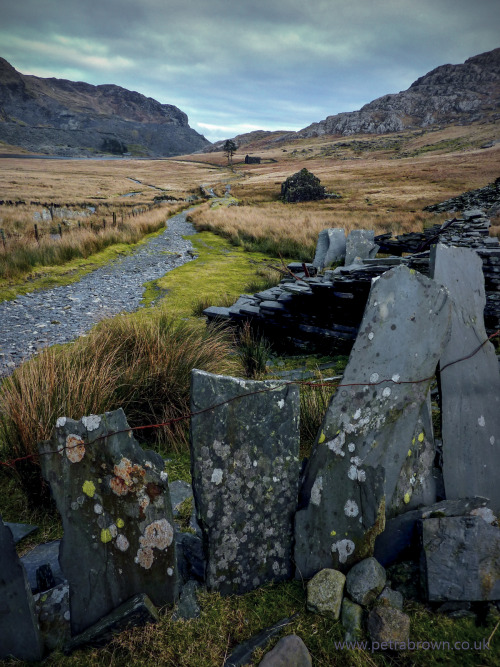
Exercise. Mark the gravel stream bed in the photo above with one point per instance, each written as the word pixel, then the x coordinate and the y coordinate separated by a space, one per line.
pixel 59 315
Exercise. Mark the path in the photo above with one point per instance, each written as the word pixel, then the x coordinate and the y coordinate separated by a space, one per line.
pixel 59 315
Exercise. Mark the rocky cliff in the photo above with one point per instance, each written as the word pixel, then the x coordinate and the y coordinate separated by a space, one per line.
pixel 448 94
pixel 61 117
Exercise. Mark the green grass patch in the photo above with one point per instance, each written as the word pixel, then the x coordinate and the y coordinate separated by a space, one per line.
pixel 220 269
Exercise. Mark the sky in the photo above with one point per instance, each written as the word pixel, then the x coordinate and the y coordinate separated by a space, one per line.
pixel 239 65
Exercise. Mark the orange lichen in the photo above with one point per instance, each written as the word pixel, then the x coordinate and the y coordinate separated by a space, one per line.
pixel 75 448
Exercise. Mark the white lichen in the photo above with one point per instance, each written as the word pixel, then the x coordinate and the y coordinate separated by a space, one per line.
pixel 336 444
pixel 281 403
pixel 351 508
pixel 386 392
pixel 316 490
pixel 61 421
pixel 216 476
pixel 122 543
pixel 344 548
pixel 395 377
pixel 371 335
pixel 92 422
pixel 481 421
pixel 351 447
pixel 374 377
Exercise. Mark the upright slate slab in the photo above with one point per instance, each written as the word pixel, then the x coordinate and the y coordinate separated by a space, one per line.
pixel 360 244
pixel 356 463
pixel 245 470
pixel 470 389
pixel 19 632
pixel 460 558
pixel 330 247
pixel 115 506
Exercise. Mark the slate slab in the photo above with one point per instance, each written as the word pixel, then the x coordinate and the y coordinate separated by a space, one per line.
pixel 139 610
pixel 19 632
pixel 471 388
pixel 360 244
pixel 245 471
pixel 369 425
pixel 330 247
pixel 115 506
pixel 460 559
pixel 52 610
pixel 20 530
pixel 242 654
pixel 43 554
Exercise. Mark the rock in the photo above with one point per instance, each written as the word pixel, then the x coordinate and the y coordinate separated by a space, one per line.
pixel 324 593
pixel 330 247
pixel 19 632
pixel 20 530
pixel 470 390
pixel 242 654
pixel 389 625
pixel 400 536
pixel 188 606
pixel 290 651
pixel 356 462
pixel 365 581
pixel 245 468
pixel 460 559
pixel 52 610
pixel 115 507
pixel 139 610
pixel 391 598
pixel 352 620
pixel 179 492
pixel 302 186
pixel 360 245
pixel 190 557
pixel 42 555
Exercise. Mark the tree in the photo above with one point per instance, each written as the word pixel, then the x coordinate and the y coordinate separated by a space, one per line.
pixel 229 149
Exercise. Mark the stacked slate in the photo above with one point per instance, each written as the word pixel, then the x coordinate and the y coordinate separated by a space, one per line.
pixel 322 312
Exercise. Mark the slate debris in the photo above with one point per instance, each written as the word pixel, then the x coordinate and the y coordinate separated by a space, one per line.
pixel 290 651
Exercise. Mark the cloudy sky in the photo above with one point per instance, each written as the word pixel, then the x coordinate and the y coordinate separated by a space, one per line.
pixel 238 65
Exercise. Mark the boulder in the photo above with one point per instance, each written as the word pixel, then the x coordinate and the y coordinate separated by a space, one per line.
pixel 365 581
pixel 324 593
pixel 352 620
pixel 388 625
pixel 290 651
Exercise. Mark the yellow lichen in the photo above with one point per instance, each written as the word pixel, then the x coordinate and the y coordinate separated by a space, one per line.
pixel 322 437
pixel 120 523
pixel 409 452
pixel 421 437
pixel 406 498
pixel 106 535
pixel 333 533
pixel 89 488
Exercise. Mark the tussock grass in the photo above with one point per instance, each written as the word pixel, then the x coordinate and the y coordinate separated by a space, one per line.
pixel 142 364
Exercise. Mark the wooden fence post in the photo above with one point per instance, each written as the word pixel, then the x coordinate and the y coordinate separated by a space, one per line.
pixel 3 239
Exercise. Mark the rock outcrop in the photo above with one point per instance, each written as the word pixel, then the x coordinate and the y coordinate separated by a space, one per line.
pixel 448 94
pixel 62 117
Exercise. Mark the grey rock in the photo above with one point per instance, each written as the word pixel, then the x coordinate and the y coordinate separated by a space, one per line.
pixel 139 610
pixel 115 507
pixel 19 632
pixel 43 554
pixel 400 536
pixel 190 557
pixel 460 559
pixel 52 610
pixel 242 654
pixel 360 245
pixel 179 492
pixel 245 469
pixel 188 606
pixel 391 598
pixel 290 651
pixel 470 389
pixel 324 593
pixel 389 625
pixel 330 247
pixel 365 581
pixel 20 530
pixel 352 620
pixel 356 462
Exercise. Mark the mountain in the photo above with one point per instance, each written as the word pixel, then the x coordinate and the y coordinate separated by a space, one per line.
pixel 450 94
pixel 61 117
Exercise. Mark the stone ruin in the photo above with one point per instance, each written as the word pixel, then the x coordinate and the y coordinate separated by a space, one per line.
pixel 377 488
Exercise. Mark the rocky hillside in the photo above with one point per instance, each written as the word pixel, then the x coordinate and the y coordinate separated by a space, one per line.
pixel 61 117
pixel 448 94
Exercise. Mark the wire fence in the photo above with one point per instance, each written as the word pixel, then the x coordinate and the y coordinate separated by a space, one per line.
pixel 313 384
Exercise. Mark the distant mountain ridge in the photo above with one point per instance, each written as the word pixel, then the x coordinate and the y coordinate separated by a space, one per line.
pixel 448 94
pixel 61 117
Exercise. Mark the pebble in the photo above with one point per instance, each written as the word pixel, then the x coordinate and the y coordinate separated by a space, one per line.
pixel 46 317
